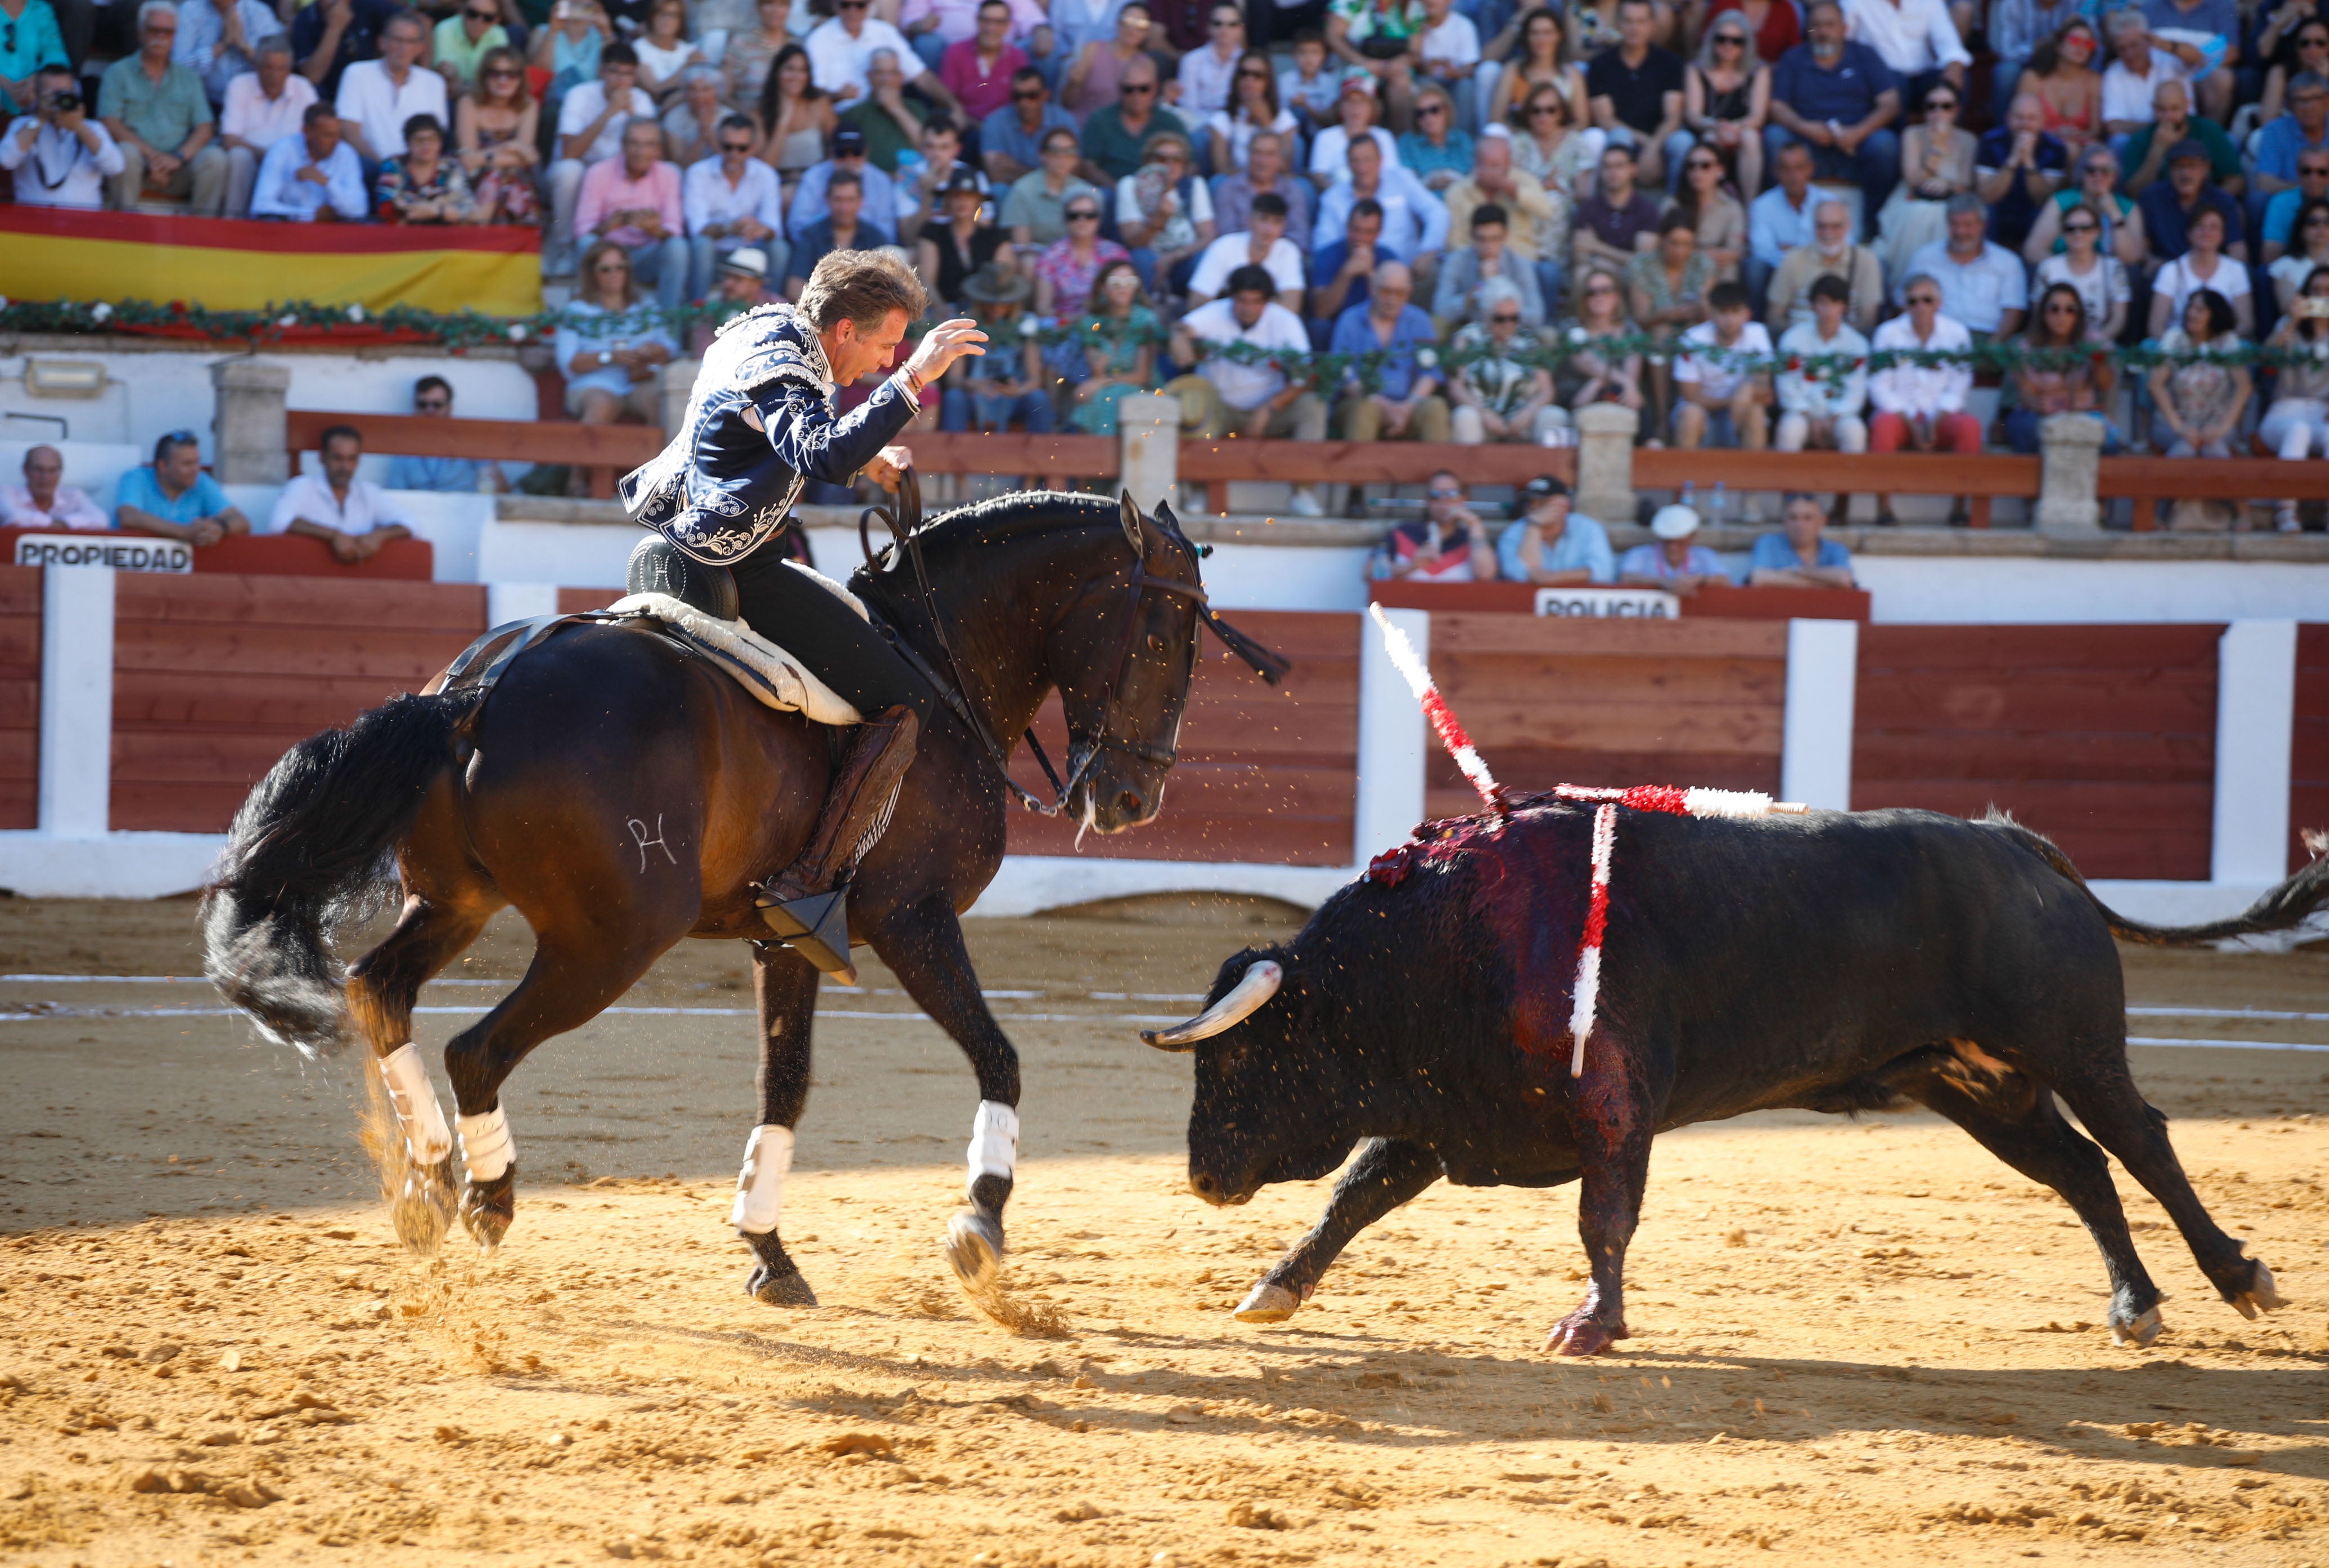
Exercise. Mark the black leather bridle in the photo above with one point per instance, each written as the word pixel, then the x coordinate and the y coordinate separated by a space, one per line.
pixel 905 528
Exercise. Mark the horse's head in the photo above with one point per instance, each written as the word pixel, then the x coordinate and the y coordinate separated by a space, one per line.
pixel 1124 655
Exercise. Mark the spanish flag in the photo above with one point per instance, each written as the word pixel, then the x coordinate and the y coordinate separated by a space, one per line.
pixel 234 264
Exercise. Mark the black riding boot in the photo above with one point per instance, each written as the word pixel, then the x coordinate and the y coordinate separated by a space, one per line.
pixel 807 903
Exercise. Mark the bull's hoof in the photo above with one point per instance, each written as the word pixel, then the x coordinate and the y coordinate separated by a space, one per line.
pixel 2262 1295
pixel 423 1208
pixel 1580 1334
pixel 974 1245
pixel 779 1287
pixel 487 1207
pixel 2138 1331
pixel 1268 1303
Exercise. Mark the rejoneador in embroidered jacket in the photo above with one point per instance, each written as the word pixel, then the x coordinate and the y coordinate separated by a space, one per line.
pixel 720 489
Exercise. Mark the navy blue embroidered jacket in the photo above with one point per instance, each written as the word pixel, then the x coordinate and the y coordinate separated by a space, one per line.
pixel 722 488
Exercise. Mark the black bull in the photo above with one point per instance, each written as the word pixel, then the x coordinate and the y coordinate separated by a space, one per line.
pixel 1833 962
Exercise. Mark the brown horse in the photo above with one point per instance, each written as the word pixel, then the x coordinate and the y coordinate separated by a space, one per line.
pixel 622 795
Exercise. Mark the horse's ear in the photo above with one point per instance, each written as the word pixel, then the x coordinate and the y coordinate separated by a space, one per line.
pixel 1168 521
pixel 1132 526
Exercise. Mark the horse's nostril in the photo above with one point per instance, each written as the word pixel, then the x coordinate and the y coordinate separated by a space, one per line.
pixel 1204 1184
pixel 1129 803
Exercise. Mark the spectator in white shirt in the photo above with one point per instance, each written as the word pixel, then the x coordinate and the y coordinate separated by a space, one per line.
pixel 43 501
pixel 1415 221
pixel 354 516
pixel 60 156
pixel 1253 398
pixel 378 95
pixel 1923 407
pixel 732 200
pixel 1821 409
pixel 1982 284
pixel 1359 114
pixel 1916 38
pixel 2134 76
pixel 1263 245
pixel 843 46
pixel 590 131
pixel 313 175
pixel 263 106
pixel 1719 401
pixel 1205 81
pixel 218 39
pixel 1449 50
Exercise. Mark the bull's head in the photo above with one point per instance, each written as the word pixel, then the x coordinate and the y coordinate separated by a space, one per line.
pixel 1271 1104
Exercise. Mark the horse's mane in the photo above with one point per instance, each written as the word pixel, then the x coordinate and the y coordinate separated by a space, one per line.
pixel 999 520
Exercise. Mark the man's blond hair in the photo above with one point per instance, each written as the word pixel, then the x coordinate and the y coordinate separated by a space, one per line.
pixel 863 286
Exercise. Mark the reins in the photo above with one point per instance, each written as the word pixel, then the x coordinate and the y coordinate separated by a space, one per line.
pixel 905 526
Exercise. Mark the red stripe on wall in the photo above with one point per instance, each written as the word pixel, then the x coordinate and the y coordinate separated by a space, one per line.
pixel 20 696
pixel 2308 770
pixel 274 239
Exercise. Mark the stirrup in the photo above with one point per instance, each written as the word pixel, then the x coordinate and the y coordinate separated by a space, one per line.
pixel 816 927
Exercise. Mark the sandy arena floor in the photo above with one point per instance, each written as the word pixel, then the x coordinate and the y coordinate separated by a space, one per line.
pixel 1852 1342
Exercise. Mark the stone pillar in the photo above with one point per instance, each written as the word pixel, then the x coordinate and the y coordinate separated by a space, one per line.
pixel 674 384
pixel 250 429
pixel 1605 462
pixel 2071 449
pixel 1150 429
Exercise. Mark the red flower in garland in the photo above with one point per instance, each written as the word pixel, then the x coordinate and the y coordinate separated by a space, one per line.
pixel 1795 364
pixel 177 307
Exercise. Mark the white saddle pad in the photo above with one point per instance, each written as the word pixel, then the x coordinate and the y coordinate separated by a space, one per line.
pixel 770 674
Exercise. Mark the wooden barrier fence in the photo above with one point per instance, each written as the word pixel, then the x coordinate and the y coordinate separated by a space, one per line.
pixel 2101 736
pixel 1216 464
pixel 1553 700
pixel 606 451
pixel 215 677
pixel 1981 477
pixel 2148 481
pixel 20 697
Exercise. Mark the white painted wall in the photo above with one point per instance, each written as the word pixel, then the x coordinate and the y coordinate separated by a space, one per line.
pixel 2022 590
pixel 149 394
pixel 1816 743
pixel 2256 722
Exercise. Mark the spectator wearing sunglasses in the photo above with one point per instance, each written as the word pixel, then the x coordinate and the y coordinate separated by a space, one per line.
pixel 2095 189
pixel 1116 134
pixel 1013 138
pixel 1497 391
pixel 2280 211
pixel 463 40
pixel 432 399
pixel 2098 278
pixel 731 201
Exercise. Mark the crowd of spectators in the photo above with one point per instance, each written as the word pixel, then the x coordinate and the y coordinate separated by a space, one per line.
pixel 1157 196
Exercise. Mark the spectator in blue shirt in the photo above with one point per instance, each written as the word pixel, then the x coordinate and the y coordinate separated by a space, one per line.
pixel 432 399
pixel 2305 128
pixel 312 176
pixel 1800 555
pixel 1670 561
pixel 175 498
pixel 1780 220
pixel 29 41
pixel 1339 271
pixel 1550 545
pixel 1011 139
pixel 1405 404
pixel 1839 97
pixel 2169 205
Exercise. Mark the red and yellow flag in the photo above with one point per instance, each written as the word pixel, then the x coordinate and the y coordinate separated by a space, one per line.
pixel 233 264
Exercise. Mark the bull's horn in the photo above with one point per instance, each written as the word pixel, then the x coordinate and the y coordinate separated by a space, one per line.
pixel 1258 985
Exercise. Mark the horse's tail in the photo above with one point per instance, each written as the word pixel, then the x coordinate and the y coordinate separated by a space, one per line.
pixel 311 851
pixel 2281 909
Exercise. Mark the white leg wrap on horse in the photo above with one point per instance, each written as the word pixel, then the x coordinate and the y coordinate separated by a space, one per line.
pixel 994 1140
pixel 418 1115
pixel 760 1184
pixel 485 1146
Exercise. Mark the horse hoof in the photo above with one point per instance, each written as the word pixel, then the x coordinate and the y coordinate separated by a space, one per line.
pixel 423 1208
pixel 487 1207
pixel 974 1245
pixel 1268 1303
pixel 788 1288
pixel 2261 1296
pixel 1579 1335
pixel 2141 1331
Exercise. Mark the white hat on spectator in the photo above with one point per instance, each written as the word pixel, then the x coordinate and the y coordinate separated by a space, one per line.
pixel 1359 81
pixel 748 260
pixel 1674 521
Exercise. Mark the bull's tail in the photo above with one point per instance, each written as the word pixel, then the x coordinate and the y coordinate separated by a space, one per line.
pixel 310 852
pixel 2284 907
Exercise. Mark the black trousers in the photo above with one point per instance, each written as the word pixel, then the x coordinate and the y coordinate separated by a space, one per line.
pixel 809 621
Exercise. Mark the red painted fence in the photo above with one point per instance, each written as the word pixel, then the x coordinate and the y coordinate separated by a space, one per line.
pixel 2308 771
pixel 2101 736
pixel 20 696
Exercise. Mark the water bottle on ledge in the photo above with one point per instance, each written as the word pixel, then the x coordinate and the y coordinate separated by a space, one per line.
pixel 1721 512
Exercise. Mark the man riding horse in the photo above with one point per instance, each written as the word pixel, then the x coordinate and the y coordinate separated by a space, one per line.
pixel 760 423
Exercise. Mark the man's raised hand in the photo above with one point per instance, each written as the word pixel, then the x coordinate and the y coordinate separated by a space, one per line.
pixel 943 345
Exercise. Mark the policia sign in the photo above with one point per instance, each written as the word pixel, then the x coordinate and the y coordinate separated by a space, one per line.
pixel 121 554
